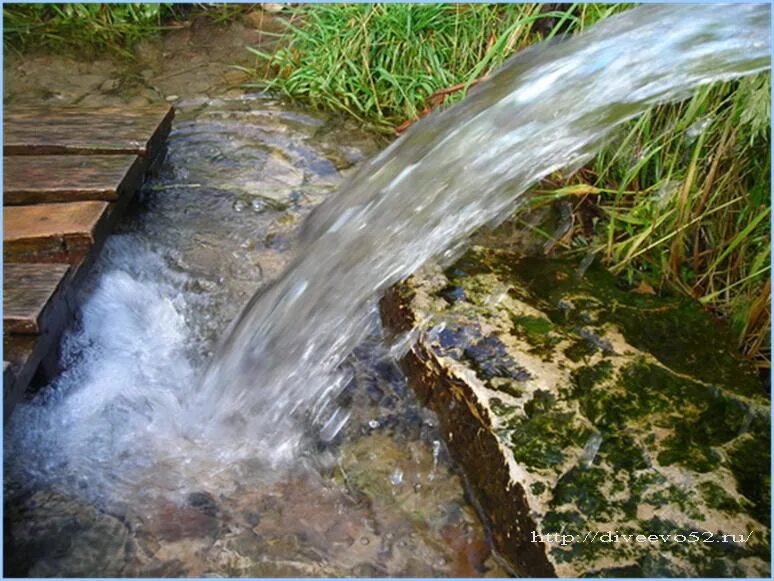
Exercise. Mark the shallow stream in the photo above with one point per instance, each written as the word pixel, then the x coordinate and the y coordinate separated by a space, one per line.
pixel 84 496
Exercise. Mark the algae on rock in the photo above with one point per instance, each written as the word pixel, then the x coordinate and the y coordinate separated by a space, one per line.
pixel 576 406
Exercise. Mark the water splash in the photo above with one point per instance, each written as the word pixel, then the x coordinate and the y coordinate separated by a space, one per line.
pixel 551 107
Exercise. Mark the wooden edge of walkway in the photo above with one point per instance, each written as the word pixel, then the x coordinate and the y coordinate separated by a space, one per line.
pixel 49 179
pixel 30 295
pixel 70 175
pixel 71 130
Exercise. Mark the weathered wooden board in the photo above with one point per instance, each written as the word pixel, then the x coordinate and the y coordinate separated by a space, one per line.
pixel 9 389
pixel 23 354
pixel 68 174
pixel 78 130
pixel 31 294
pixel 53 232
pixel 70 178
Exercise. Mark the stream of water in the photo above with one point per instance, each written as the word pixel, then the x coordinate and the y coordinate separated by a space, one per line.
pixel 90 454
pixel 295 448
pixel 547 109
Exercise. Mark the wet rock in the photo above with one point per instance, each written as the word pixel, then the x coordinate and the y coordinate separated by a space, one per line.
pixel 272 7
pixel 110 86
pixel 53 535
pixel 195 518
pixel 577 405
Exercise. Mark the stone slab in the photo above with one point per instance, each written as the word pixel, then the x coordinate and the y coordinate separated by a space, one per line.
pixel 577 406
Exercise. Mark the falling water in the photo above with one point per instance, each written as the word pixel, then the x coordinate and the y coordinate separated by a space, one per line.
pixel 549 108
pixel 148 423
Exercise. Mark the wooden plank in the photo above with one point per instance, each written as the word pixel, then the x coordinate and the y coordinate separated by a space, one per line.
pixel 53 232
pixel 70 178
pixel 9 389
pixel 23 354
pixel 78 130
pixel 30 296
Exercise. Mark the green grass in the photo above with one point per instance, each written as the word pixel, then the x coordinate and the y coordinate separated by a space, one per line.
pixel 679 202
pixel 90 30
pixel 380 62
pixel 687 204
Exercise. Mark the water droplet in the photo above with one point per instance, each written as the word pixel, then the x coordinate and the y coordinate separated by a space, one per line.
pixel 396 478
pixel 698 127
pixel 417 487
pixel 238 206
pixel 373 424
pixel 258 206
pixel 436 451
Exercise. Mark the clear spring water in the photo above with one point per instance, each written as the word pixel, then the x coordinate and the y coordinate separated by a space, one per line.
pixel 98 481
pixel 278 369
pixel 133 419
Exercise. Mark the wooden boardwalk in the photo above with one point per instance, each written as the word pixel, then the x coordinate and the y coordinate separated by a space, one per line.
pixel 68 174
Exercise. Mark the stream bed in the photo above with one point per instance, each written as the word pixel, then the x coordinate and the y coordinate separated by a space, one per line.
pixel 95 483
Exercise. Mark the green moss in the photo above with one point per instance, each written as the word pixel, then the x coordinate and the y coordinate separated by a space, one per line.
pixel 675 330
pixel 585 489
pixel 580 349
pixel 542 441
pixel 750 462
pixel 621 452
pixel 541 402
pixel 535 329
pixel 717 498
pixel 586 378
pixel 681 449
pixel 501 408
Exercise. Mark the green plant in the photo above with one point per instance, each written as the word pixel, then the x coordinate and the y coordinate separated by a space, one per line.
pixel 682 201
pixel 380 62
pixel 92 29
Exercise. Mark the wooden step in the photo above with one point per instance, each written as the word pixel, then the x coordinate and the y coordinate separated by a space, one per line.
pixel 32 295
pixel 70 178
pixel 23 353
pixel 53 232
pixel 78 130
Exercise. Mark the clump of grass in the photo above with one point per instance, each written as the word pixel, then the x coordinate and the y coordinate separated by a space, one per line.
pixel 91 29
pixel 80 27
pixel 380 62
pixel 681 201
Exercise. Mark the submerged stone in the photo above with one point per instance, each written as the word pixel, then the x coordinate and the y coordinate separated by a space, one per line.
pixel 581 409
pixel 54 535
